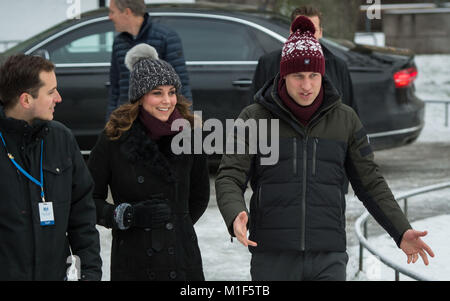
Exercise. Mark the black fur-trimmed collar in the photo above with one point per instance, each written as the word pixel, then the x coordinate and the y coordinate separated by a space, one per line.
pixel 139 149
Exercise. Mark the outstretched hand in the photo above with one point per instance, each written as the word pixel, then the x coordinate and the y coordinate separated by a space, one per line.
pixel 413 246
pixel 240 229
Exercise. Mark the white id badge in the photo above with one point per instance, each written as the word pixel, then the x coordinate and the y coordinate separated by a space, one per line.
pixel 46 214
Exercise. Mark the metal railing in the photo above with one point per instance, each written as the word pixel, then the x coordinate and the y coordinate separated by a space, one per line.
pixel 444 102
pixel 361 222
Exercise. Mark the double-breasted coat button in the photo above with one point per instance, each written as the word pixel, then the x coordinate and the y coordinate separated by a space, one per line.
pixel 171 250
pixel 157 246
pixel 169 226
pixel 140 179
pixel 173 275
pixel 149 252
pixel 151 275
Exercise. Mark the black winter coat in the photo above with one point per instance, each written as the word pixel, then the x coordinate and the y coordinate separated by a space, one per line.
pixel 336 71
pixel 29 251
pixel 137 168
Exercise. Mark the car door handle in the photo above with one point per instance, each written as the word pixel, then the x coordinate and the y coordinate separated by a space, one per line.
pixel 107 84
pixel 242 83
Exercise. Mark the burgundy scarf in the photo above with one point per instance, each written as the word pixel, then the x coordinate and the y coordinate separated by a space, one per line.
pixel 302 113
pixel 155 127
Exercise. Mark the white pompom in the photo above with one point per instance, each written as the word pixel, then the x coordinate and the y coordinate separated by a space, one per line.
pixel 139 52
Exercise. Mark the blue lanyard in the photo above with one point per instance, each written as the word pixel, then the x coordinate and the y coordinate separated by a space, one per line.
pixel 31 178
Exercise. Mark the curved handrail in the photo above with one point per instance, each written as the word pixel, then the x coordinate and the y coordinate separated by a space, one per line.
pixel 364 242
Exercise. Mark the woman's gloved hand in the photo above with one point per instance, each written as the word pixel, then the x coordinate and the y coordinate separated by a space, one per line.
pixel 146 214
pixel 151 213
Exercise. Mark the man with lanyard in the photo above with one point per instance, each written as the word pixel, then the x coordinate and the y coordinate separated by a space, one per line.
pixel 46 206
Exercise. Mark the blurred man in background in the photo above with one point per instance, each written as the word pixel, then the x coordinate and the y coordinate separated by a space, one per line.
pixel 336 69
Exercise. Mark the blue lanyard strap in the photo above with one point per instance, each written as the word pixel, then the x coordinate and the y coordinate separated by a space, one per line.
pixel 24 172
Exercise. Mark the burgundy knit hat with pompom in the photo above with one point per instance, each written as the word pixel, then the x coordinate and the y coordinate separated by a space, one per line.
pixel 301 51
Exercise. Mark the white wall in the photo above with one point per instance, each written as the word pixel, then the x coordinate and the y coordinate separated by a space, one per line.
pixel 21 19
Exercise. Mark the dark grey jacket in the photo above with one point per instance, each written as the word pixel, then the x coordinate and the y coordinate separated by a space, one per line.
pixel 297 204
pixel 169 47
pixel 29 251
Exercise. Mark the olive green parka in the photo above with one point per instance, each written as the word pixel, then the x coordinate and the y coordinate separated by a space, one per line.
pixel 297 203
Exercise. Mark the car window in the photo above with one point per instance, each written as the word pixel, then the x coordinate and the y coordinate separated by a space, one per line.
pixel 208 39
pixel 91 49
pixel 267 42
pixel 88 44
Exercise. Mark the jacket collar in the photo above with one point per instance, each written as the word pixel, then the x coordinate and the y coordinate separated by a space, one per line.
pixel 146 25
pixel 139 149
pixel 38 129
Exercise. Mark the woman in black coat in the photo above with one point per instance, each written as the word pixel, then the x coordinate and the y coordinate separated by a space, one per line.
pixel 158 196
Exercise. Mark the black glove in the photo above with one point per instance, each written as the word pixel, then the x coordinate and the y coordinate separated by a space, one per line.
pixel 147 214
pixel 151 213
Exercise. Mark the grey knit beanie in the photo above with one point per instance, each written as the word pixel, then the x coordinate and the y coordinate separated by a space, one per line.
pixel 148 72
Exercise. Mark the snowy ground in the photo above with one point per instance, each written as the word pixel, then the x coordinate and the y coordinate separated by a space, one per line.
pixel 223 260
pixel 433 83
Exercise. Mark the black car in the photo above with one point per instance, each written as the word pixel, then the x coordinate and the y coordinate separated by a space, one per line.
pixel 222 47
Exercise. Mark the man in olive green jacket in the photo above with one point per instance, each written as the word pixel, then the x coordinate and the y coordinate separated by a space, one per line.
pixel 297 212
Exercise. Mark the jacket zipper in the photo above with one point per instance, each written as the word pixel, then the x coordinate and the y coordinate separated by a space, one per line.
pixel 258 205
pixel 316 141
pixel 259 196
pixel 303 213
pixel 294 151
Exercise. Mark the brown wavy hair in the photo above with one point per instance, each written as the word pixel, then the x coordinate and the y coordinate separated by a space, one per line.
pixel 123 117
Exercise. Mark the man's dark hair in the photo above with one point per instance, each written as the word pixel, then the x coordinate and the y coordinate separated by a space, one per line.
pixel 20 74
pixel 308 11
pixel 137 7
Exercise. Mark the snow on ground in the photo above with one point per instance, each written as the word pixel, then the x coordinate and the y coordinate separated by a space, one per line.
pixel 223 260
pixel 433 83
